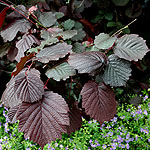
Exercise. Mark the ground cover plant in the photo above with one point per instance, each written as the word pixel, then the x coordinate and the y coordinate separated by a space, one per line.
pixel 62 73
pixel 129 129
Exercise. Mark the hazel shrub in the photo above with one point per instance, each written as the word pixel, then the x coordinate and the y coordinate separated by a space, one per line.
pixel 129 129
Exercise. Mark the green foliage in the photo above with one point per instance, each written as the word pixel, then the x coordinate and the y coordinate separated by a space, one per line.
pixel 129 129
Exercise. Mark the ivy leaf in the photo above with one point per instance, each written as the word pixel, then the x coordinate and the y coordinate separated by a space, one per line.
pixel 75 120
pixel 69 24
pixel 46 18
pixel 131 47
pixel 104 41
pixel 88 62
pixel 9 97
pixel 44 121
pixel 25 43
pixel 62 71
pixel 117 71
pixel 28 86
pixel 54 52
pixel 20 25
pixel 80 35
pixel 98 101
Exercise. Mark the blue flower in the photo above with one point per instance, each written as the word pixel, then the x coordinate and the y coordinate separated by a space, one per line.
pixel 127 136
pixel 90 122
pixel 145 130
pixel 127 146
pixel 128 109
pixel 122 117
pixel 146 97
pixel 104 146
pixel 113 145
pixel 145 112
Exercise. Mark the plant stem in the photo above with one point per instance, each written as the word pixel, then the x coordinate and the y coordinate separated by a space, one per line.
pixel 120 30
pixel 23 14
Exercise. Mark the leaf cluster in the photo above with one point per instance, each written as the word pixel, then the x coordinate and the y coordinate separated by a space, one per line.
pixel 52 58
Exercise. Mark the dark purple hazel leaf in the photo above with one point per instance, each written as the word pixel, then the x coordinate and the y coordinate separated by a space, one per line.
pixel 9 97
pixel 25 43
pixel 54 52
pixel 98 101
pixel 131 47
pixel 45 120
pixel 12 113
pixel 88 62
pixel 21 9
pixel 10 33
pixel 75 120
pixel 28 86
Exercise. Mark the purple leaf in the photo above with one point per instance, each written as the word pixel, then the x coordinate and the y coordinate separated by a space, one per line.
pixel 98 101
pixel 131 47
pixel 54 52
pixel 88 62
pixel 21 10
pixel 28 86
pixel 9 97
pixel 19 25
pixel 45 120
pixel 25 43
pixel 75 120
pixel 12 113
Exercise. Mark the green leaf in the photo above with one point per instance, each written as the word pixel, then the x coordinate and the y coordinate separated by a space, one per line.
pixel 109 16
pixel 97 18
pixel 60 72
pixel 69 24
pixel 117 71
pixel 131 47
pixel 49 42
pixel 120 2
pixel 80 35
pixel 104 41
pixel 78 47
pixel 64 34
pixel 111 24
pixel 59 15
pixel 46 18
pixel 45 34
pixel 78 25
pixel 67 34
